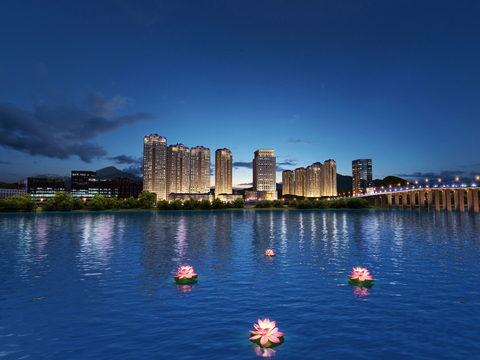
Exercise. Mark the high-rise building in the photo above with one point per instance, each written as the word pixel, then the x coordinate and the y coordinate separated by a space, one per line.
pixel 288 182
pixel 264 171
pixel 178 169
pixel 300 178
pixel 199 170
pixel 313 181
pixel 223 172
pixel 330 178
pixel 155 165
pixel 361 175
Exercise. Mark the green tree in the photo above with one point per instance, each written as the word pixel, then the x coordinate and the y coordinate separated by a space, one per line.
pixel 146 199
pixel 205 204
pixel 188 205
pixel 78 205
pixel 18 202
pixel 238 203
pixel 228 205
pixel 277 204
pixel 263 204
pixel 176 205
pixel 217 204
pixel 163 205
pixel 304 204
pixel 98 203
pixel 130 203
pixel 320 204
pixel 293 204
pixel 59 202
pixel 357 203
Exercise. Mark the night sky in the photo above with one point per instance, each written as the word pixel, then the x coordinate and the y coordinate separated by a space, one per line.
pixel 82 82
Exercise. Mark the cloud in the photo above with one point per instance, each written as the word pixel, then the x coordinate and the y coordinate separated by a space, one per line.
pixel 299 141
pixel 5 162
pixel 135 169
pixel 446 175
pixel 246 184
pixel 125 159
pixel 64 131
pixel 239 164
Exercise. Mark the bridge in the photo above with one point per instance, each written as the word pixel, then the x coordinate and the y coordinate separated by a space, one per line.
pixel 425 197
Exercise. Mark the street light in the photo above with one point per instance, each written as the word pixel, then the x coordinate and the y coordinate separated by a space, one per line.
pixel 426 180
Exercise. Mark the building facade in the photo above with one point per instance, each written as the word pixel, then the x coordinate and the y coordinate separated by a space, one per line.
pixel 300 181
pixel 223 172
pixel 330 178
pixel 313 181
pixel 361 176
pixel 199 170
pixel 43 189
pixel 264 171
pixel 128 187
pixel 5 193
pixel 178 169
pixel 288 182
pixel 155 165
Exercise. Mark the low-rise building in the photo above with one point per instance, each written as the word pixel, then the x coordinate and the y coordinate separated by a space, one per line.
pixel 261 195
pixel 186 196
pixel 5 193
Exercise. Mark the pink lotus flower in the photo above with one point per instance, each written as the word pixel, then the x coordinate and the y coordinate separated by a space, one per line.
pixel 185 272
pixel 266 331
pixel 360 275
pixel 269 252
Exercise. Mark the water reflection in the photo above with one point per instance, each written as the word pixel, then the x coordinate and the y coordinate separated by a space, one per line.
pixel 360 291
pixel 183 288
pixel 268 353
pixel 96 241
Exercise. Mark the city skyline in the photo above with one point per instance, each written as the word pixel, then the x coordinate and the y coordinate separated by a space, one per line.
pixel 80 82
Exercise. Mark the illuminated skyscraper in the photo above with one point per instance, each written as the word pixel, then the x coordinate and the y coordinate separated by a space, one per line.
pixel 300 178
pixel 178 169
pixel 199 170
pixel 361 175
pixel 288 182
pixel 223 172
pixel 330 178
pixel 155 165
pixel 313 181
pixel 264 171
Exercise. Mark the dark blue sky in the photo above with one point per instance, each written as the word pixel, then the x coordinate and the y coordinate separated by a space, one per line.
pixel 81 83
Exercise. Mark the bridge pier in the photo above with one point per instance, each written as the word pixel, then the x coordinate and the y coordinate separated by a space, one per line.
pixel 472 200
pixel 397 201
pixel 413 206
pixel 421 199
pixel 377 201
pixel 404 200
pixel 430 200
pixel 389 199
pixel 437 200
pixel 459 200
pixel 447 200
pixel 383 199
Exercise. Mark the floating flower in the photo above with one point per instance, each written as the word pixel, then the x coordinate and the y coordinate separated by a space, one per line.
pixel 269 252
pixel 360 275
pixel 185 273
pixel 266 333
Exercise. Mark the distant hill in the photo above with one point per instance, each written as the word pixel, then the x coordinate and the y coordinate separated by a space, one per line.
pixel 390 180
pixel 7 185
pixel 111 172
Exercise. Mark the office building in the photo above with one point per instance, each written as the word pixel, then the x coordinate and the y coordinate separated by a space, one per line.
pixel 199 170
pixel 265 174
pixel 300 178
pixel 42 189
pixel 178 169
pixel 155 165
pixel 128 187
pixel 288 182
pixel 85 186
pixel 361 175
pixel 223 172
pixel 330 178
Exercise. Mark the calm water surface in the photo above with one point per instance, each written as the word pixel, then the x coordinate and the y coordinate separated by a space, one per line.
pixel 99 285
